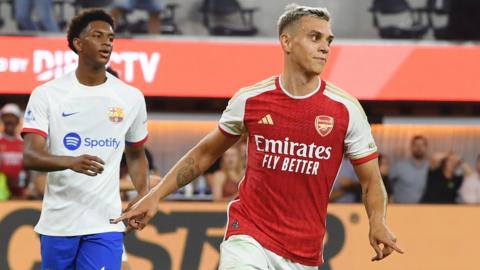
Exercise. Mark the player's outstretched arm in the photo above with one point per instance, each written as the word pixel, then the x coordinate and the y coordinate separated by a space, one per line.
pixel 375 199
pixel 36 157
pixel 189 167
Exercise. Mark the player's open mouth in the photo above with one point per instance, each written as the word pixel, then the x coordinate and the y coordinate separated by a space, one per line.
pixel 105 53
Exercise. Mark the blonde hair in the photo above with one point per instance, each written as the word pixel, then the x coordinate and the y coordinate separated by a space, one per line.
pixel 294 12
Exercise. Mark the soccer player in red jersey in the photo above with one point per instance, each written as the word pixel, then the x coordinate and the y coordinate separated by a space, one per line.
pixel 299 127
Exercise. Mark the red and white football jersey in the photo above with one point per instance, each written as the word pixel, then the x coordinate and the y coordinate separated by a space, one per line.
pixel 295 148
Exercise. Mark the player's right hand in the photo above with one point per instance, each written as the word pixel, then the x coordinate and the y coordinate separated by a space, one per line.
pixel 141 212
pixel 86 164
pixel 380 235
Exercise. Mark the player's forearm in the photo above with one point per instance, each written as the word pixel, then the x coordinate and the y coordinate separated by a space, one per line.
pixel 138 170
pixel 194 163
pixel 44 161
pixel 375 199
pixel 187 169
pixel 374 195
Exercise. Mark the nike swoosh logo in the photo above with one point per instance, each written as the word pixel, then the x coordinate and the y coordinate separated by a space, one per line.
pixel 68 114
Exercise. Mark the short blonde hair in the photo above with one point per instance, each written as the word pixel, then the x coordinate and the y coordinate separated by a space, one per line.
pixel 294 12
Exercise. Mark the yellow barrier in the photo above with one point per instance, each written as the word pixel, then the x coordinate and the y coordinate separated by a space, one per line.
pixel 186 236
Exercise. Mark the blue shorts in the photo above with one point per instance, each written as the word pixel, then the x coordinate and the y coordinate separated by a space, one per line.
pixel 85 252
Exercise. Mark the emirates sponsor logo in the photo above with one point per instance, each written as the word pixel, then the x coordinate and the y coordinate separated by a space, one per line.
pixel 290 156
pixel 324 124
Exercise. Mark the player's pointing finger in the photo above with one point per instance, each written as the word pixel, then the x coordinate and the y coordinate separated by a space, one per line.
pixel 394 246
pixel 124 216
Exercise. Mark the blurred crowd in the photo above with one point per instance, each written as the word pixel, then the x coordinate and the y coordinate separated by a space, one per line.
pixel 420 178
pixel 42 15
pixel 423 177
pixel 406 19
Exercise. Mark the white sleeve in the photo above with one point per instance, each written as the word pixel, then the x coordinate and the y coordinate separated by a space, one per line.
pixel 360 146
pixel 37 113
pixel 231 121
pixel 137 133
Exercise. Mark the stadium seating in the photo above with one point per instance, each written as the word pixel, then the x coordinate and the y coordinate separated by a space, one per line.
pixel 412 25
pixel 213 9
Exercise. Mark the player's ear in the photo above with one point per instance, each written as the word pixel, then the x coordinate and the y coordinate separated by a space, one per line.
pixel 286 42
pixel 77 44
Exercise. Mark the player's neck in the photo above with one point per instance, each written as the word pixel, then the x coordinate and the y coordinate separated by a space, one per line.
pixel 90 76
pixel 299 84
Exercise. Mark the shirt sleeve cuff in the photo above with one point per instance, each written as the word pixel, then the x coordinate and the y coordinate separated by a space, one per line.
pixel 139 143
pixel 33 130
pixel 364 159
pixel 226 133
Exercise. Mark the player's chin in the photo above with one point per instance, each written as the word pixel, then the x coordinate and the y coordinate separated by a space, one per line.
pixel 315 71
pixel 318 68
pixel 102 60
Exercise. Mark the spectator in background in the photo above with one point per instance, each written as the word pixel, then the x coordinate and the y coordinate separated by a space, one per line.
pixel 384 165
pixel 153 7
pixel 470 190
pixel 346 188
pixel 11 152
pixel 409 176
pixel 44 13
pixel 224 182
pixel 443 184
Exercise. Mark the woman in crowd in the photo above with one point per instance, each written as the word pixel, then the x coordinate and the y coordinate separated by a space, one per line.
pixel 224 182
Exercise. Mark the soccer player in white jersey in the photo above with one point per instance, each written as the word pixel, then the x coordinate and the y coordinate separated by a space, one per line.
pixel 299 127
pixel 76 128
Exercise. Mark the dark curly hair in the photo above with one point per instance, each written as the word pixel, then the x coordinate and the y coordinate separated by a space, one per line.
pixel 81 21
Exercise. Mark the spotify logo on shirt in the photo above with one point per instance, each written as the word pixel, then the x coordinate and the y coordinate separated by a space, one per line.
pixel 72 141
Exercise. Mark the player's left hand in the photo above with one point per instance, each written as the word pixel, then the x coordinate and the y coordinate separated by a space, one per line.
pixel 381 235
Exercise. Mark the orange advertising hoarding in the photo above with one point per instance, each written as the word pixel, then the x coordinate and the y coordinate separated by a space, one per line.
pixel 218 68
pixel 186 236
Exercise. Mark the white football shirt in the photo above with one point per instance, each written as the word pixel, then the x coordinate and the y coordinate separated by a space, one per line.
pixel 76 120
